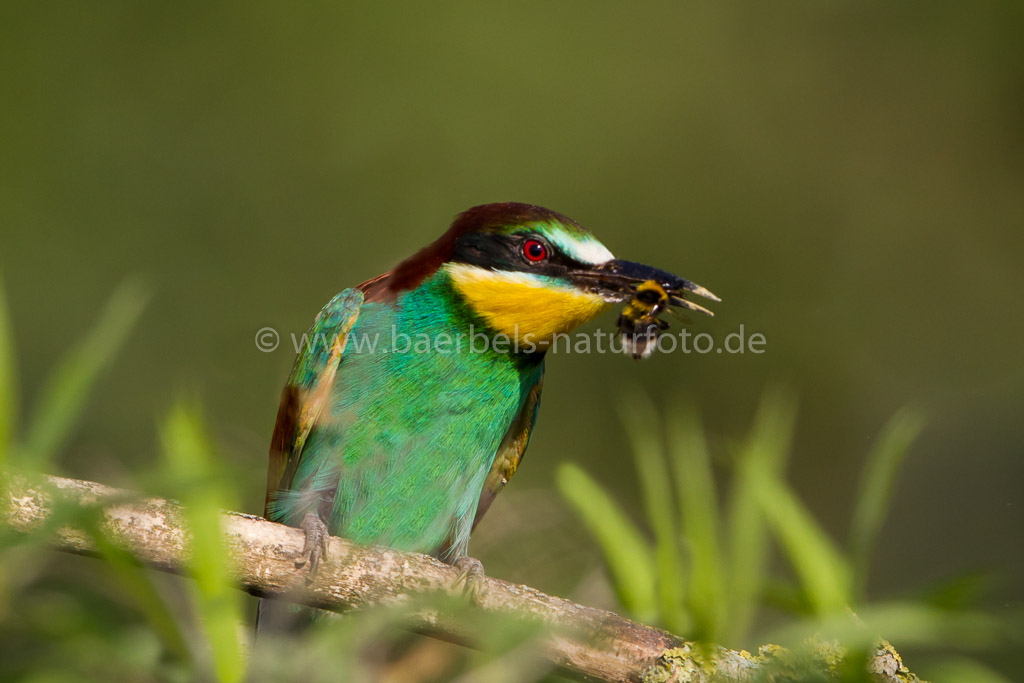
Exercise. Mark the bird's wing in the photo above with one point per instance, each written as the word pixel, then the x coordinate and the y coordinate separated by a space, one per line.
pixel 309 387
pixel 510 452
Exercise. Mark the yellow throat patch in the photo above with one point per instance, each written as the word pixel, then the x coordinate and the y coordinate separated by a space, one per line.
pixel 522 305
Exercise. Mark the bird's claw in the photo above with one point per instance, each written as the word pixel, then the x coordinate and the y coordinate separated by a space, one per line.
pixel 315 547
pixel 471 575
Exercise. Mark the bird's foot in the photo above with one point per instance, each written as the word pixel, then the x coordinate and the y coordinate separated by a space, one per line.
pixel 471 576
pixel 315 547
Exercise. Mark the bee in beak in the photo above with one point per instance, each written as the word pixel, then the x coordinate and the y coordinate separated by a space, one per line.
pixel 647 292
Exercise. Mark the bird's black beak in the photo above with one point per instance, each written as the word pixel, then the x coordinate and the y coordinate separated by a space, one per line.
pixel 616 281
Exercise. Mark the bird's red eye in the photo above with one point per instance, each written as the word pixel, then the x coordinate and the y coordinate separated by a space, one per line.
pixel 534 250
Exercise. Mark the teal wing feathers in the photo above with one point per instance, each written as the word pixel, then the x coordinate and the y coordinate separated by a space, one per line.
pixel 308 389
pixel 513 446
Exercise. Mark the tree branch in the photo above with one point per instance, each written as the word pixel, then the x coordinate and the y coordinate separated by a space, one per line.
pixel 582 640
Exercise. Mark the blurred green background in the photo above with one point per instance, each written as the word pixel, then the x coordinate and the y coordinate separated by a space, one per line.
pixel 848 177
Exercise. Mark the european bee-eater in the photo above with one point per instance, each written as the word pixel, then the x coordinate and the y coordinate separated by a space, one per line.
pixel 395 428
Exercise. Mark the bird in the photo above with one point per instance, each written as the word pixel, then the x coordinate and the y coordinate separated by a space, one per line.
pixel 414 396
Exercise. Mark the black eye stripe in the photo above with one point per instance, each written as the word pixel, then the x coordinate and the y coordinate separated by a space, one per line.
pixel 506 252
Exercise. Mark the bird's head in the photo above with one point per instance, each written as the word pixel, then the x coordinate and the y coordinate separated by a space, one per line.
pixel 529 272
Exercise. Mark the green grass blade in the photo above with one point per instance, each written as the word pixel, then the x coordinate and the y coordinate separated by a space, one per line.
pixel 189 460
pixel 963 591
pixel 763 455
pixel 699 513
pixel 905 624
pixel 65 393
pixel 8 380
pixel 876 488
pixel 8 420
pixel 134 580
pixel 962 669
pixel 824 573
pixel 785 595
pixel 626 551
pixel 640 416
